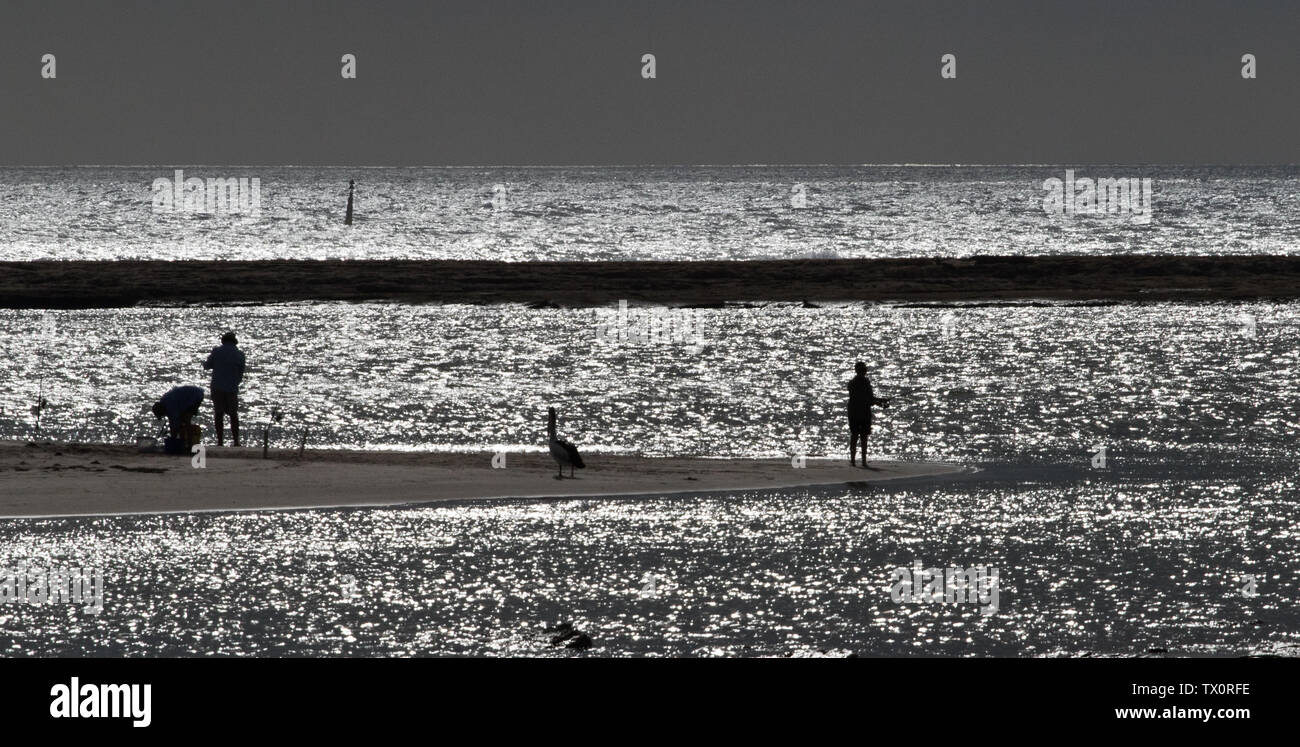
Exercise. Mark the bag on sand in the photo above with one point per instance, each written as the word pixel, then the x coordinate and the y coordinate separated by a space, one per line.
pixel 191 435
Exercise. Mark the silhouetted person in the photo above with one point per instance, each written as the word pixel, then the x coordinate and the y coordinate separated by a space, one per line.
pixel 347 219
pixel 227 364
pixel 861 399
pixel 179 406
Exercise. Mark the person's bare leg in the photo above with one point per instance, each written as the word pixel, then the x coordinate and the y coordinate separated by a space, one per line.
pixel 864 447
pixel 234 428
pixel 853 448
pixel 218 421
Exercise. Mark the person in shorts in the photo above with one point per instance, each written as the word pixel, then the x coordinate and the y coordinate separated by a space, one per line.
pixel 226 361
pixel 861 400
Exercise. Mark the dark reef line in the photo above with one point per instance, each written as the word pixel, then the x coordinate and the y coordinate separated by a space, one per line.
pixel 93 284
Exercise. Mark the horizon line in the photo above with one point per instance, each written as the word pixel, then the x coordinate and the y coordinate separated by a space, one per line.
pixel 638 165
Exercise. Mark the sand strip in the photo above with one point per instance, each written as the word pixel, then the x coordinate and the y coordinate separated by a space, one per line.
pixel 49 480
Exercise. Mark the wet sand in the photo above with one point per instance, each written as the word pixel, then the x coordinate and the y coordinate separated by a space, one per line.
pixel 80 284
pixel 53 480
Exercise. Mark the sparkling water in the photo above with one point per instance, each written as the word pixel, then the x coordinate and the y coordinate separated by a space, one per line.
pixel 642 213
pixel 1185 541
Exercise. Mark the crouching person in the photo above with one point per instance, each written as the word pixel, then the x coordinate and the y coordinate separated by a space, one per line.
pixel 179 406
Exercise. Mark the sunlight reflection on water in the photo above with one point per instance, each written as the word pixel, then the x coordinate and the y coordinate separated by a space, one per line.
pixel 1098 566
pixel 1022 382
pixel 1199 416
pixel 640 213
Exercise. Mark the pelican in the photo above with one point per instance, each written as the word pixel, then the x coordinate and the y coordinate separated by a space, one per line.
pixel 563 451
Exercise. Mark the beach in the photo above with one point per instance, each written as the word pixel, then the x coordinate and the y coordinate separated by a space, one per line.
pixel 90 284
pixel 96 479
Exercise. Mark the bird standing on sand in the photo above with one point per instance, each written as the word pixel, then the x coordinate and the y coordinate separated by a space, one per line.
pixel 563 451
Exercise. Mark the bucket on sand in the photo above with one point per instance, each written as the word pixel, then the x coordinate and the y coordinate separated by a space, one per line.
pixel 191 435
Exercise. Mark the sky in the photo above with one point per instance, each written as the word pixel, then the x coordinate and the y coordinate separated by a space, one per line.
pixel 558 82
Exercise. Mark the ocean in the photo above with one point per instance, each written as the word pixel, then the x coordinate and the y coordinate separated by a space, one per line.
pixel 1182 540
pixel 1134 476
pixel 643 213
pixel 992 382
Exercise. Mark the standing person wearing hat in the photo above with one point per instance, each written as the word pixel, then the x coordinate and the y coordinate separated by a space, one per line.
pixel 227 364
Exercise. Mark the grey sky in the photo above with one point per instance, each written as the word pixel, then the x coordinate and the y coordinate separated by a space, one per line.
pixel 558 82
